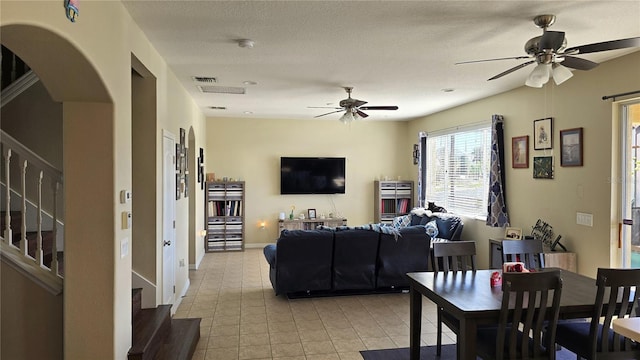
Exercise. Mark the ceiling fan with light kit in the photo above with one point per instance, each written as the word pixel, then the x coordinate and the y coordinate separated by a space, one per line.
pixel 549 51
pixel 353 108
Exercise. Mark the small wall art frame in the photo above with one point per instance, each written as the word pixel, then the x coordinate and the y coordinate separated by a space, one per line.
pixel 520 152
pixel 543 167
pixel 571 147
pixel 543 134
pixel 513 233
pixel 312 213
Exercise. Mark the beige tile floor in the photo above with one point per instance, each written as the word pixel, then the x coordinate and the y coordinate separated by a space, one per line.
pixel 243 319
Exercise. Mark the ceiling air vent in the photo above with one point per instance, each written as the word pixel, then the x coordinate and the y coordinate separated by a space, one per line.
pixel 204 79
pixel 222 90
pixel 218 107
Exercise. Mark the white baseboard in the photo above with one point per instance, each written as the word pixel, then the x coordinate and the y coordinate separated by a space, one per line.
pixel 196 266
pixel 178 300
pixel 256 245
pixel 148 289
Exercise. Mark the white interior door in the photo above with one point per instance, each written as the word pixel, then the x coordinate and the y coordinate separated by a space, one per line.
pixel 168 218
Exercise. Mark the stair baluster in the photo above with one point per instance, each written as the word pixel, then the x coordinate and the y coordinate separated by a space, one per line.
pixel 7 230
pixel 39 259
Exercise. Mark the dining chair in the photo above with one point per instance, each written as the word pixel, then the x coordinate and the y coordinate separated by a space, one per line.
pixel 530 252
pixel 527 324
pixel 617 296
pixel 452 256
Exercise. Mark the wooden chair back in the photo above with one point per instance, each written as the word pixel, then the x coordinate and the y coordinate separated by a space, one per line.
pixel 615 286
pixel 530 252
pixel 454 256
pixel 525 302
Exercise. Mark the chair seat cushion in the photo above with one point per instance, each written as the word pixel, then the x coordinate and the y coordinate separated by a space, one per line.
pixel 574 335
pixel 486 340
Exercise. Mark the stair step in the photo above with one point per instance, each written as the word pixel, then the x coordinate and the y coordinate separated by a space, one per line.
pixel 136 302
pixel 182 340
pixel 150 329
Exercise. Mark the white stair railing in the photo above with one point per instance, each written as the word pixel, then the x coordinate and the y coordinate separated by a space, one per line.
pixel 33 170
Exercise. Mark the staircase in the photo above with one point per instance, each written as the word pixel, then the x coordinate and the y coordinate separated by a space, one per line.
pixel 157 336
pixel 32 241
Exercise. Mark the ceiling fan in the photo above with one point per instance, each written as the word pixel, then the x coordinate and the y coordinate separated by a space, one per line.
pixel 352 108
pixel 553 57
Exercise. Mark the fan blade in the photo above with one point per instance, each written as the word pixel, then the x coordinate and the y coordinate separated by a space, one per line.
pixel 333 112
pixel 512 70
pixel 604 46
pixel 378 108
pixel 485 60
pixel 551 40
pixel 323 107
pixel 578 63
pixel 359 103
pixel 362 115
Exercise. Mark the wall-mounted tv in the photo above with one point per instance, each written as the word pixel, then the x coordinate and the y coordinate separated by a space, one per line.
pixel 312 175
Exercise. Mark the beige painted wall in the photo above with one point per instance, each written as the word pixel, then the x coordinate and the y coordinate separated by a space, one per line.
pixel 250 149
pixel 576 103
pixel 17 315
pixel 98 288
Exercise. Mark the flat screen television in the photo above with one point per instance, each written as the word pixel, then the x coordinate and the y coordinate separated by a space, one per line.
pixel 312 175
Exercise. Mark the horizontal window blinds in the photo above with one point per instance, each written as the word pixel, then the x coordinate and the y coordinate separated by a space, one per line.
pixel 458 170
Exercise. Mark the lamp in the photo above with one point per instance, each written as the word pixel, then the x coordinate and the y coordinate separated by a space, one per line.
pixel 560 73
pixel 539 76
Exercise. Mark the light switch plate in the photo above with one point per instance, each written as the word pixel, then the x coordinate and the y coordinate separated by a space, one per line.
pixel 584 219
pixel 124 247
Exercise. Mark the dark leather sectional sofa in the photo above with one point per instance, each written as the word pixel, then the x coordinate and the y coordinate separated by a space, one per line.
pixel 348 260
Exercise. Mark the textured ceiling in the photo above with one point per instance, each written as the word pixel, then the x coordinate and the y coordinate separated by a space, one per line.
pixel 392 52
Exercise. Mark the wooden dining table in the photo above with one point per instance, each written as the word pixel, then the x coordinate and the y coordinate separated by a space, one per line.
pixel 469 297
pixel 629 327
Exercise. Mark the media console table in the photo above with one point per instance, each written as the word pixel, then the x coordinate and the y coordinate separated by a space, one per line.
pixel 560 259
pixel 308 224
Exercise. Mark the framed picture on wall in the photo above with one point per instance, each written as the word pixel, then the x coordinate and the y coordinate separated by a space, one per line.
pixel 312 213
pixel 543 167
pixel 571 147
pixel 520 152
pixel 543 134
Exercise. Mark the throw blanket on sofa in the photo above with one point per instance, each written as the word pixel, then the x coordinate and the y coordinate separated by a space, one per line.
pixel 383 229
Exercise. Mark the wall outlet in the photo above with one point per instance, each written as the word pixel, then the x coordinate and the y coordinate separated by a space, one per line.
pixel 584 219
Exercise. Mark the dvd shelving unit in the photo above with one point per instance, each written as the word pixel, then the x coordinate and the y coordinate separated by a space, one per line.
pixel 392 198
pixel 224 213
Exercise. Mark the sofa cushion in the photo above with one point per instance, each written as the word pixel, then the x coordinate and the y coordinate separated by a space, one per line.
pixel 432 228
pixel 447 225
pixel 305 260
pixel 408 252
pixel 270 254
pixel 402 221
pixel 354 259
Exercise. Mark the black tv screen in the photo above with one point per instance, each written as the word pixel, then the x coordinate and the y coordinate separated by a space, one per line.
pixel 312 175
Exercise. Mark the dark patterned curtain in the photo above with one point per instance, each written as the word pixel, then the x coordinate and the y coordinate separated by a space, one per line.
pixel 497 215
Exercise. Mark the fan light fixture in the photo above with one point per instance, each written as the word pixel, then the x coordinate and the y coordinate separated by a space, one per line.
pixel 541 74
pixel 349 116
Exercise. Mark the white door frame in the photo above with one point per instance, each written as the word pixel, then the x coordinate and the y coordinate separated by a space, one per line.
pixel 627 179
pixel 168 241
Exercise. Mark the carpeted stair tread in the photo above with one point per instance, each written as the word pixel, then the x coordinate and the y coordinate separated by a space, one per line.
pixel 150 329
pixel 182 340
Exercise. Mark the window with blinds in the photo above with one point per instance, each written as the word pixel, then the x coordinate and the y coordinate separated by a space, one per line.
pixel 457 170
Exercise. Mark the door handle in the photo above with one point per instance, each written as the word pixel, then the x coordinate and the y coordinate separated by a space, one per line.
pixel 167 243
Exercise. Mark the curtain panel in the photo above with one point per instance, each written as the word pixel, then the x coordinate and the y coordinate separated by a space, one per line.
pixel 497 215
